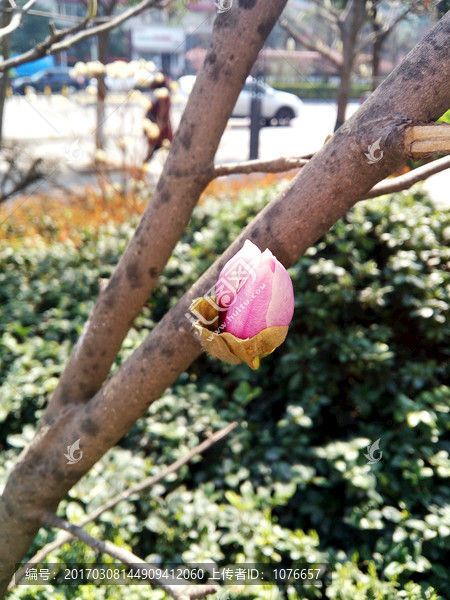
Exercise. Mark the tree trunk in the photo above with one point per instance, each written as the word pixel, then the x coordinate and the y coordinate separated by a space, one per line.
pixel 345 80
pixel 100 413
pixel 103 39
pixel 376 48
pixel 350 26
pixel 5 80
pixel 376 59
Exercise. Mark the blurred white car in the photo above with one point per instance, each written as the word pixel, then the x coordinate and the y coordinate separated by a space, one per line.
pixel 276 106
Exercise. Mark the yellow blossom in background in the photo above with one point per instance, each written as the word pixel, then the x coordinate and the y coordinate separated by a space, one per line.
pixel 143 78
pixel 80 68
pixel 145 102
pixel 162 93
pixel 122 143
pixel 95 67
pixel 151 129
pixel 134 96
pixel 100 156
pixel 116 68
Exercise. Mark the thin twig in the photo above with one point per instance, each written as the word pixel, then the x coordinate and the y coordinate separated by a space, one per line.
pixel 279 165
pixel 64 537
pixel 327 11
pixel 373 36
pixel 53 44
pixel 16 18
pixel 178 592
pixel 404 182
pixel 276 165
pixel 312 43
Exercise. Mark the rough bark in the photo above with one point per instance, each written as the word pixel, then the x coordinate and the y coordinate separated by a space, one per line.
pixel 337 177
pixel 64 537
pixel 238 37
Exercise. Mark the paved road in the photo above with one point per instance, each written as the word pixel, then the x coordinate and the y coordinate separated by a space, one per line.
pixel 57 122
pixel 62 129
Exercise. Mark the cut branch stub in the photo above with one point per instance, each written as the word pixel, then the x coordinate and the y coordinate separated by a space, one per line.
pixel 425 140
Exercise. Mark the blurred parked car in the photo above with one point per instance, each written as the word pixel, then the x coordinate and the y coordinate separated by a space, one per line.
pixel 276 106
pixel 55 79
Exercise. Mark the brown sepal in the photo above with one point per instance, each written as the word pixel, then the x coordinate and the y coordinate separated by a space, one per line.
pixel 228 347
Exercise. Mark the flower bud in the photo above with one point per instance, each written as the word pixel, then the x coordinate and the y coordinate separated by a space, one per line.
pixel 249 316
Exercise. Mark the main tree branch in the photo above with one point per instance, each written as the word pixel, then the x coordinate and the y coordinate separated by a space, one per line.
pixel 66 536
pixel 238 36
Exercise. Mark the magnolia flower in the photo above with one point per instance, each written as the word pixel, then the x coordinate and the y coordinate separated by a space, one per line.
pixel 249 315
pixel 256 291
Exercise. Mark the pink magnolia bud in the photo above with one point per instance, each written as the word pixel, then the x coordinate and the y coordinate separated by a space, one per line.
pixel 254 292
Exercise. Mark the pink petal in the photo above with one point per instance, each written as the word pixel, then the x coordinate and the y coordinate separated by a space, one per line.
pixel 236 272
pixel 247 315
pixel 281 307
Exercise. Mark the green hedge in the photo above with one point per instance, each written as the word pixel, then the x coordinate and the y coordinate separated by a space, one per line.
pixel 319 91
pixel 366 358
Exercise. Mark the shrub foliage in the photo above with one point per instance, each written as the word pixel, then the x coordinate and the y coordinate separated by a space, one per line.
pixel 366 359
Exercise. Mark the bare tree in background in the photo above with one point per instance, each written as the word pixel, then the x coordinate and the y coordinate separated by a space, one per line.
pixel 346 27
pixel 106 9
pixel 98 408
pixel 59 40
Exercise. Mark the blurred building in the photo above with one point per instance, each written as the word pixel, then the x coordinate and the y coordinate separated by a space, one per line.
pixel 165 40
